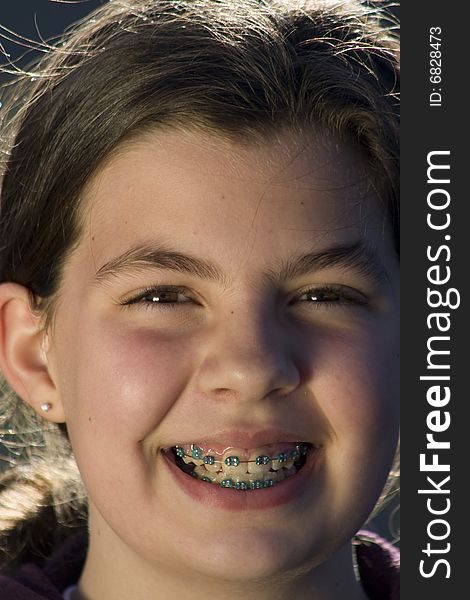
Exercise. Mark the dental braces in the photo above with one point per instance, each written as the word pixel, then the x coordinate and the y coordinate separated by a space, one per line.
pixel 257 484
pixel 234 461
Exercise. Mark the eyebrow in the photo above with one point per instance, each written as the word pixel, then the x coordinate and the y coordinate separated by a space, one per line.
pixel 359 256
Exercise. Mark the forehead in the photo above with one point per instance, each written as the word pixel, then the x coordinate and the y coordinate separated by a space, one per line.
pixel 209 193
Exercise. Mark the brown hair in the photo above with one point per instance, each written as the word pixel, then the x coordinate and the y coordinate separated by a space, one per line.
pixel 238 68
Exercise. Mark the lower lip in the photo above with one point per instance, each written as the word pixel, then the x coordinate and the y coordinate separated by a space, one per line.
pixel 216 496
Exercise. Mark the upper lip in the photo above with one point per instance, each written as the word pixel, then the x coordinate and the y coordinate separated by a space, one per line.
pixel 246 437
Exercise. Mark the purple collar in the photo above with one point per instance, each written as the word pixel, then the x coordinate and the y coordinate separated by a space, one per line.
pixel 378 564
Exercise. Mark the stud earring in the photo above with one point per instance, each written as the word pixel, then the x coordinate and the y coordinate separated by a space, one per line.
pixel 46 407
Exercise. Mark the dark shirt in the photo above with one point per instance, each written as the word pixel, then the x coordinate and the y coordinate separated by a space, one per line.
pixel 378 563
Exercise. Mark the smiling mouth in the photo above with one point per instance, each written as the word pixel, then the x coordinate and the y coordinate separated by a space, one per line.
pixel 241 469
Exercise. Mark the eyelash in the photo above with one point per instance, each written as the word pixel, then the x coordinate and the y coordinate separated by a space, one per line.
pixel 156 291
pixel 345 295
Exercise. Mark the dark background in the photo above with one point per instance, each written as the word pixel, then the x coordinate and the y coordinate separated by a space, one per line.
pixel 35 20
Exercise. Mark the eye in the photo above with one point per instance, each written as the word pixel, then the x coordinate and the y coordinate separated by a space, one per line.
pixel 160 298
pixel 330 296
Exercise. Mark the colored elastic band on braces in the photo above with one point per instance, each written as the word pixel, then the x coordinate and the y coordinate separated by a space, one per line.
pixel 239 485
pixel 243 485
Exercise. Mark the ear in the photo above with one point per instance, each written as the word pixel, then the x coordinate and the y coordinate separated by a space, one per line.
pixel 23 352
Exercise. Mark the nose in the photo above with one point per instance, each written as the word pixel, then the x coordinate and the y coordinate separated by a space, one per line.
pixel 248 359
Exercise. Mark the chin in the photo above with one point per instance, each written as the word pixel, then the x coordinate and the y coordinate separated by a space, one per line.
pixel 251 555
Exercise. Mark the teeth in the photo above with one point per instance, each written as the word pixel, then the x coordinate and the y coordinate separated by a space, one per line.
pixel 282 460
pixel 289 472
pixel 196 461
pixel 219 477
pixel 211 463
pixel 242 470
pixel 279 461
pixel 272 475
pixel 266 480
pixel 280 475
pixel 232 464
pixel 205 475
pixel 259 464
pixel 242 485
pixel 283 463
pixel 201 471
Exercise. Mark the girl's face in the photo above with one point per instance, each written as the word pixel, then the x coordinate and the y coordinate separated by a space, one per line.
pixel 229 296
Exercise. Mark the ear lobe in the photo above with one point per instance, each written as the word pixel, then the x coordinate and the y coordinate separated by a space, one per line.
pixel 23 357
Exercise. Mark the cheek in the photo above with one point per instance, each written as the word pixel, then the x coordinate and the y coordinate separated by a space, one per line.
pixel 358 392
pixel 359 388
pixel 125 380
pixel 121 384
